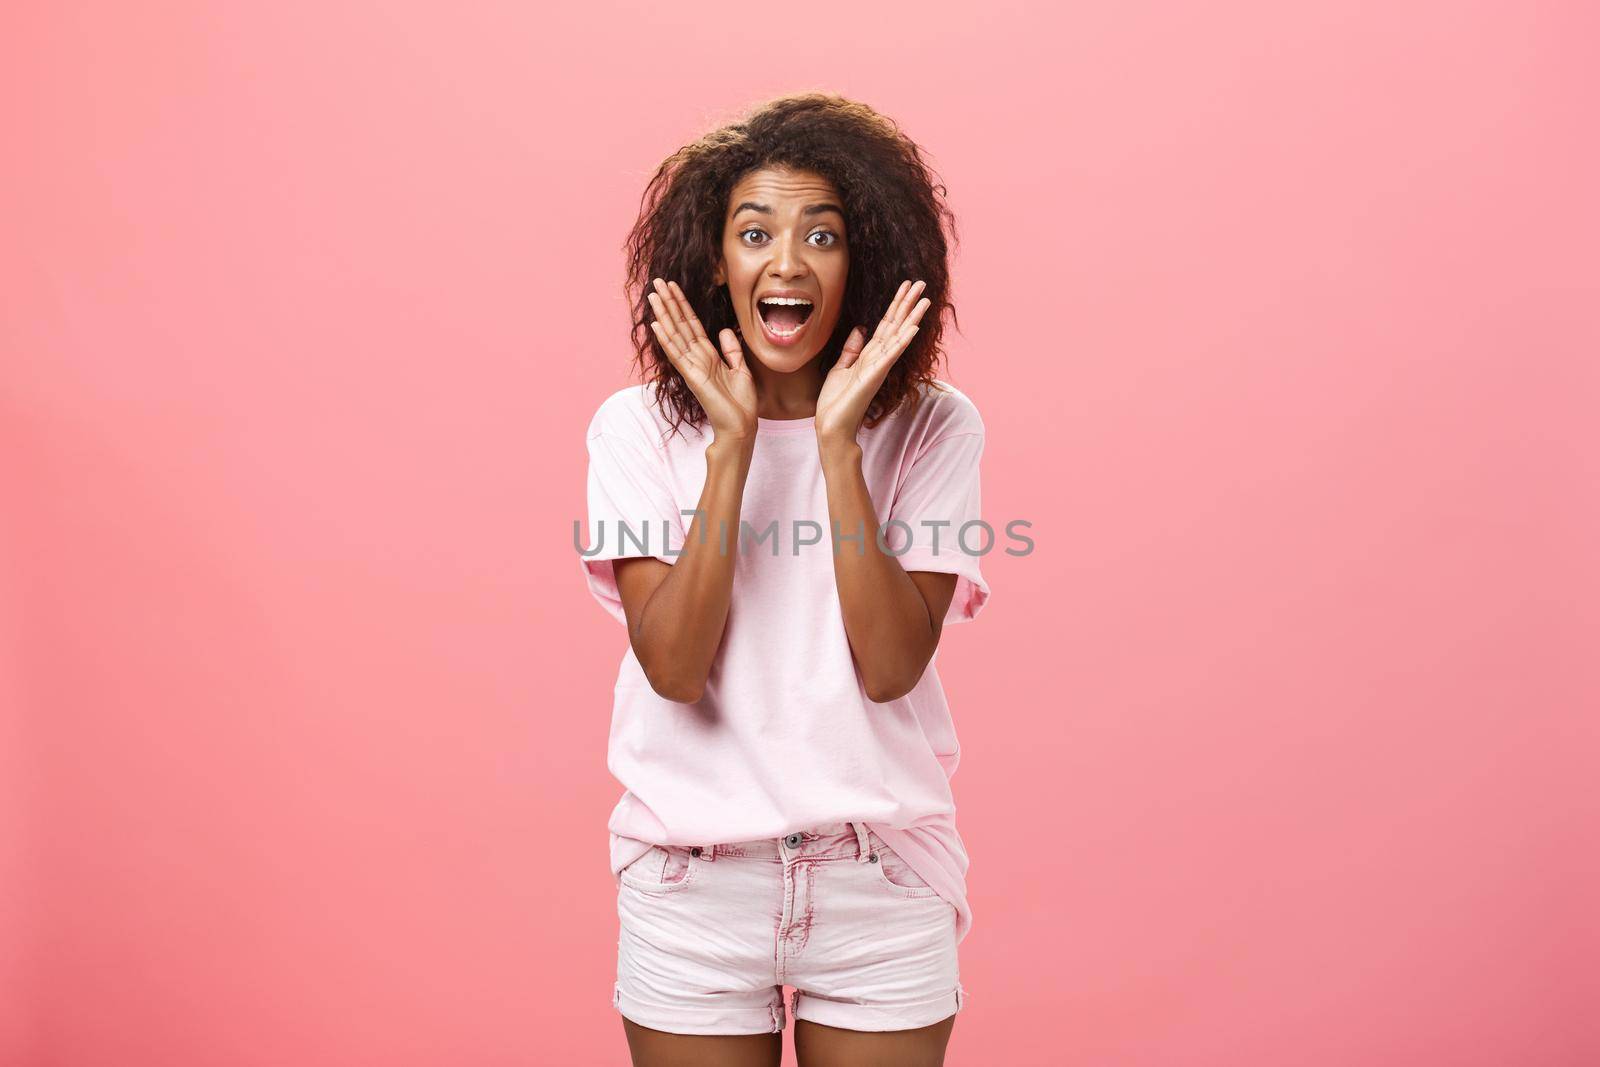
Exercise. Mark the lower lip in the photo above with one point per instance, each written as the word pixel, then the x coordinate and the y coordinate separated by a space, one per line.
pixel 783 340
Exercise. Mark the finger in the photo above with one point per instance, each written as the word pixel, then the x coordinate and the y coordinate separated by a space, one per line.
pixel 903 304
pixel 852 347
pixel 894 305
pixel 889 353
pixel 660 286
pixel 679 355
pixel 849 356
pixel 899 294
pixel 732 349
pixel 668 345
pixel 885 354
pixel 884 329
pixel 668 323
pixel 686 311
pixel 917 312
pixel 675 312
pixel 892 318
pixel 660 302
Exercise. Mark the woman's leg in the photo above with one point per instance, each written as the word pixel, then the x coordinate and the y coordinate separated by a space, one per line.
pixel 657 1048
pixel 817 1045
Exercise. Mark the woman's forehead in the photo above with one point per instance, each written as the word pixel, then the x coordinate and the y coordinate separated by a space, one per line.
pixel 784 184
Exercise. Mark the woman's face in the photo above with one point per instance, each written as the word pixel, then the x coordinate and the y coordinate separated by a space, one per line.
pixel 784 235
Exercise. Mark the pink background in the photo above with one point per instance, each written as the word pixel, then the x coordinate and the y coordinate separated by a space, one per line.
pixel 1282 317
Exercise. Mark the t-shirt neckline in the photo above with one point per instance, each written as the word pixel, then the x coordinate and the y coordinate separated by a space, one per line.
pixel 785 425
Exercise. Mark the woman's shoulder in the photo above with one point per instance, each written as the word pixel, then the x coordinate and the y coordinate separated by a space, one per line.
pixel 632 412
pixel 942 411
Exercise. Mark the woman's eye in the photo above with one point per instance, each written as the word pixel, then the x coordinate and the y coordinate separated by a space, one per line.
pixel 832 238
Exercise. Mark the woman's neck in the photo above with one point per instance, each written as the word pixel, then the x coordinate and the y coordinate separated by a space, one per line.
pixel 786 396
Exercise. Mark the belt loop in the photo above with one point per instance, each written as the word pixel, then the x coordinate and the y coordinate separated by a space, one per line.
pixel 861 840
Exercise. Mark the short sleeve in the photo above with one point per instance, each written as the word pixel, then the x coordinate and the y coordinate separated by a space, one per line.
pixel 631 509
pixel 940 505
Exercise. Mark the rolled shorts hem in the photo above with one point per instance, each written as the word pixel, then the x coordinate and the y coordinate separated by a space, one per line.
pixel 713 1021
pixel 877 1018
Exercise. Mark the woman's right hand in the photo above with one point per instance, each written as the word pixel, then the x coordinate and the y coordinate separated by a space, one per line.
pixel 721 381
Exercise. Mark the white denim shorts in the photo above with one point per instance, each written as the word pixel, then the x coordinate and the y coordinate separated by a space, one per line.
pixel 710 935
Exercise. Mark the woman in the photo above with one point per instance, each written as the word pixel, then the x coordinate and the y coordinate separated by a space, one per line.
pixel 781 515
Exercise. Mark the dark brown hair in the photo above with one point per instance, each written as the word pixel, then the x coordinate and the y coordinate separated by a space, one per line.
pixel 895 216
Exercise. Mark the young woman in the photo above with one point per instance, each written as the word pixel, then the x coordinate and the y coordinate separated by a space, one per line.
pixel 785 515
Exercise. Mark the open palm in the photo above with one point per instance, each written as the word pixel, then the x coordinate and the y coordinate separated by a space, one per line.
pixel 848 390
pixel 721 381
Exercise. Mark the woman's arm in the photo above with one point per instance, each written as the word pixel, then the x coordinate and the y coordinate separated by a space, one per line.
pixel 677 612
pixel 892 617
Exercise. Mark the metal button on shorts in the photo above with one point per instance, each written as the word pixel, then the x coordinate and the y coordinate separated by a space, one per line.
pixel 793 840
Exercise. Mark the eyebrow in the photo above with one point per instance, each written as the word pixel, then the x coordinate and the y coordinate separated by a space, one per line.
pixel 812 209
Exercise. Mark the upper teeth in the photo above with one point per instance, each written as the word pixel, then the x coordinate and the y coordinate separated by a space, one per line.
pixel 785 300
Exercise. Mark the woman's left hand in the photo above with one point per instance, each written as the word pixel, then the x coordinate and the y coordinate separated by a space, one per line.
pixel 855 378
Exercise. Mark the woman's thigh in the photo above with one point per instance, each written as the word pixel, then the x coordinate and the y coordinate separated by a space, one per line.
pixel 820 1045
pixel 657 1048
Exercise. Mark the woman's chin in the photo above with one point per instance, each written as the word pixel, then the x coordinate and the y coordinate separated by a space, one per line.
pixel 781 360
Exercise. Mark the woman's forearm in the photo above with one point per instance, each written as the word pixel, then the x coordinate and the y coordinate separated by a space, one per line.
pixel 682 623
pixel 892 635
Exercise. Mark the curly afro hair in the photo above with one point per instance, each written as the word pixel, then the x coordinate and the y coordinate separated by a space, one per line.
pixel 894 207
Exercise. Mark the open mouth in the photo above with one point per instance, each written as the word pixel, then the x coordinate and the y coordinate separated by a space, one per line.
pixel 783 319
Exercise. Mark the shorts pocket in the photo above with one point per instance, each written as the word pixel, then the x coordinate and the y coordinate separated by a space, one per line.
pixel 664 869
pixel 896 875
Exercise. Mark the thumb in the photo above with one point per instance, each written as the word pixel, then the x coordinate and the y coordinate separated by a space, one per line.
pixel 732 349
pixel 852 347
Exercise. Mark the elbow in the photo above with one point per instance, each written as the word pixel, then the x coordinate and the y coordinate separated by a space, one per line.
pixel 679 694
pixel 882 686
pixel 666 677
pixel 677 690
pixel 883 690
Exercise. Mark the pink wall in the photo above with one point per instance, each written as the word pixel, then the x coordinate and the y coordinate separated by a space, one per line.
pixel 1280 748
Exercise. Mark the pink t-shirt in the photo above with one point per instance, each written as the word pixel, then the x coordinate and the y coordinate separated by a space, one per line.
pixel 784 736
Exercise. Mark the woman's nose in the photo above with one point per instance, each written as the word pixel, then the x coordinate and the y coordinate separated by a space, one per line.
pixel 786 259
